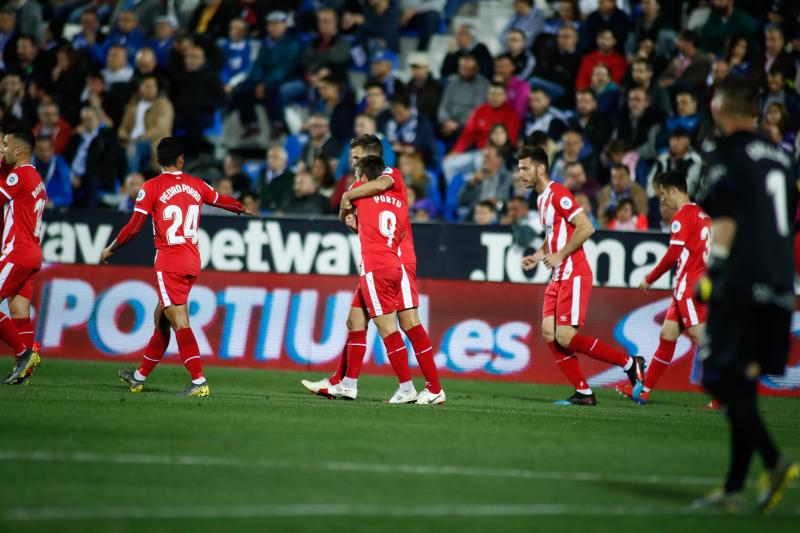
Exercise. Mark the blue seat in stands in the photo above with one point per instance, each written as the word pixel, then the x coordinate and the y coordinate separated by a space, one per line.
pixel 294 146
pixel 434 193
pixel 451 211
pixel 215 130
pixel 254 170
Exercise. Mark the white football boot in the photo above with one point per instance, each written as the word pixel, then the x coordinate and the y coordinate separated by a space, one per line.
pixel 322 387
pixel 344 393
pixel 426 397
pixel 401 396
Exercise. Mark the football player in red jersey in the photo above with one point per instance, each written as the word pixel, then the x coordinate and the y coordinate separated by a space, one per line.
pixel 23 197
pixel 689 246
pixel 343 383
pixel 566 298
pixel 174 200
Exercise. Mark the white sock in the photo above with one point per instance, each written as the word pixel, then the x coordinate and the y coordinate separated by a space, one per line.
pixel 408 386
pixel 628 364
pixel 350 383
pixel 199 381
pixel 139 376
pixel 586 391
pixel 645 389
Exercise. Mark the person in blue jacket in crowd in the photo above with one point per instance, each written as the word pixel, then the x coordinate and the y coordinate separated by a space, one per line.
pixel 54 171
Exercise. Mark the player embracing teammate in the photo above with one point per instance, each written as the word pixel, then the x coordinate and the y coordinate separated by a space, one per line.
pixel 566 299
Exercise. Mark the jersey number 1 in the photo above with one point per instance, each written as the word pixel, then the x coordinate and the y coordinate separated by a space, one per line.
pixel 174 213
pixel 776 189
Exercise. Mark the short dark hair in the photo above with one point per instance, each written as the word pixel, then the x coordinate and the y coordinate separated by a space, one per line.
pixel 374 85
pixel 627 201
pixel 487 204
pixel 24 136
pixel 168 151
pixel 690 36
pixel 497 85
pixel 588 91
pixel 535 154
pixel 402 99
pixel 41 137
pixel 643 61
pixel 369 143
pixel 671 178
pixel 621 166
pixel 371 166
pixel 739 96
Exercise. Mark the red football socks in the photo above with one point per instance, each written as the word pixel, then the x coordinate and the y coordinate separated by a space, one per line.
pixel 154 351
pixel 597 349
pixel 190 352
pixel 341 367
pixel 659 363
pixel 25 330
pixel 356 349
pixel 10 335
pixel 398 356
pixel 423 350
pixel 568 364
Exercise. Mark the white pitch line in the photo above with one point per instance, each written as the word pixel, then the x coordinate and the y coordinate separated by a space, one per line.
pixel 337 509
pixel 338 466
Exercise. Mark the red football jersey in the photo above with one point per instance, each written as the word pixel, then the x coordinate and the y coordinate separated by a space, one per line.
pixel 26 198
pixel 174 200
pixel 557 208
pixel 690 228
pixel 407 254
pixel 382 220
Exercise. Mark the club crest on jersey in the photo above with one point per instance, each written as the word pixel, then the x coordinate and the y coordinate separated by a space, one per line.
pixel 387 170
pixel 140 196
pixel 676 227
pixel 566 203
pixel 12 180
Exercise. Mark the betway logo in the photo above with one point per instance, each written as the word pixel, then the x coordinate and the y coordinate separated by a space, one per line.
pixel 262 247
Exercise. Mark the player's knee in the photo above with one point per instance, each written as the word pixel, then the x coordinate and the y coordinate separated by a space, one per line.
pixel 408 320
pixel 548 335
pixel 564 336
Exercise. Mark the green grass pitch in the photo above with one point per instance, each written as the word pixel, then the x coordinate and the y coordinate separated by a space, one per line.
pixel 81 453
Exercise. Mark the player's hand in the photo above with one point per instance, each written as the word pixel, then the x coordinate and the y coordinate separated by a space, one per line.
pixel 643 286
pixel 704 289
pixel 529 262
pixel 351 222
pixel 551 261
pixel 106 254
pixel 247 212
pixel 345 203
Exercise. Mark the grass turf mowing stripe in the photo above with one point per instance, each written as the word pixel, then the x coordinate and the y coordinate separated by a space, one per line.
pixel 337 466
pixel 340 509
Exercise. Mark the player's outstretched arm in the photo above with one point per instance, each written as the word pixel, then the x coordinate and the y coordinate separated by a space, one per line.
pixel 126 234
pixel 233 205
pixel 667 262
pixel 367 189
pixel 583 230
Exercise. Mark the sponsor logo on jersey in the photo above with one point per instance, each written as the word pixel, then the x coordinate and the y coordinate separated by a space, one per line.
pixel 566 203
pixel 12 180
pixel 140 196
pixel 676 227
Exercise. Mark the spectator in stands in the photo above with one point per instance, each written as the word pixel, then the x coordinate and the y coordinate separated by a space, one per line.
pixel 519 213
pixel 233 168
pixel 196 94
pixel 586 204
pixel 556 68
pixel 54 172
pixel 329 50
pixel 377 105
pixel 381 27
pixel 606 91
pixel 490 182
pixel 568 14
pixel 424 90
pixel 608 17
pixel 29 19
pixel 775 54
pixel 148 118
pixel 320 142
pixel 126 33
pixel 32 64
pixel 653 27
pixel 236 54
pixel 470 161
pixel 681 157
pixel 364 125
pixel 16 104
pixel 338 104
pixel 275 65
pixel 223 185
pixel 542 116
pixel 146 64
pixel 740 57
pixel 323 176
pixel 517 90
pixel 778 92
pixel 275 189
pixel 211 19
pixel 9 61
pixel 725 21
pixel 96 95
pixel 526 18
pixel 578 181
pixel 163 43
pixel 485 214
pixel 573 150
pixel 463 93
pixel 382 70
pixel 251 202
pixel 117 70
pixel 408 130
pixel 639 126
pixel 642 76
pixel 777 125
pixel 412 168
pixel 463 44
pixel 496 110
pixel 96 161
pixel 146 12
pixel 596 126
pixel 423 17
pixel 519 54
pixel 626 217
pixel 621 187
pixel 306 199
pixel 605 54
pixel 689 118
pixel 90 34
pixel 133 184
pixel 66 82
pixel 691 68
pixel 53 126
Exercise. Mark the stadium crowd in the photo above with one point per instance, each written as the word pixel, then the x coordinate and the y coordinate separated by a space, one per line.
pixel 614 91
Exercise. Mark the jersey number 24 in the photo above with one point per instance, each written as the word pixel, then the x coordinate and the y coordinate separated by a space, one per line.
pixel 190 222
